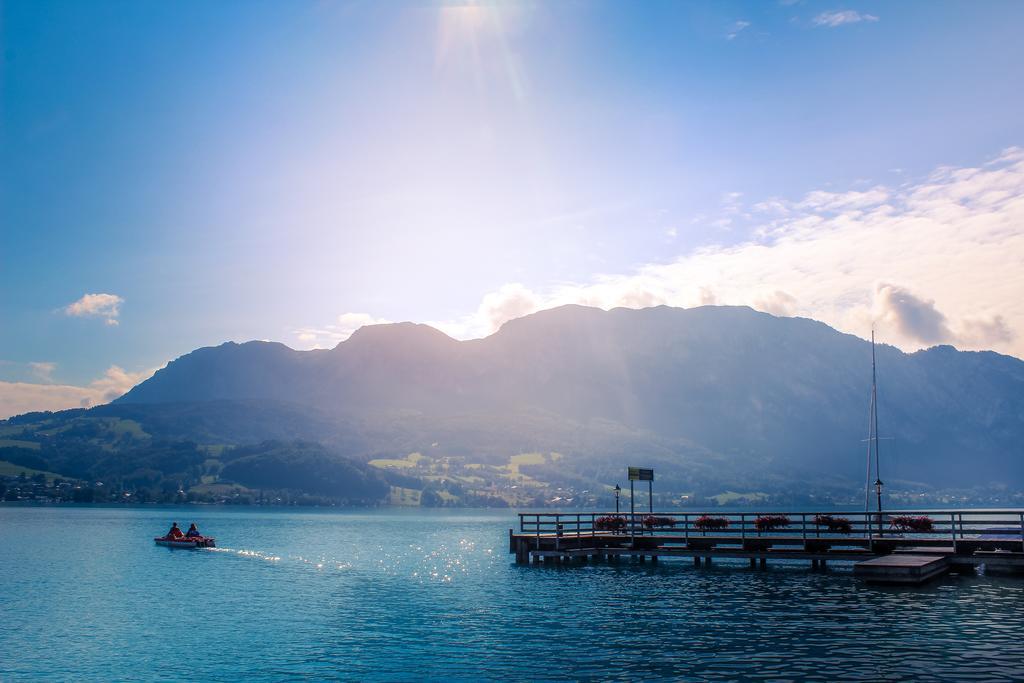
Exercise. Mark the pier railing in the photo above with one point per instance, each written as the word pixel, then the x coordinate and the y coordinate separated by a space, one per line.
pixel 932 524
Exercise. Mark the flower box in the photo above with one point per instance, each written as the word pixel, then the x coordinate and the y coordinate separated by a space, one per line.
pixel 652 522
pixel 770 523
pixel 610 523
pixel 834 525
pixel 709 523
pixel 911 523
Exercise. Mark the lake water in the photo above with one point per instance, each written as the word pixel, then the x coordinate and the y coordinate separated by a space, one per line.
pixel 420 595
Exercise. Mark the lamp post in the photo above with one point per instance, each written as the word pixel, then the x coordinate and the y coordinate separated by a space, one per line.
pixel 618 490
pixel 878 493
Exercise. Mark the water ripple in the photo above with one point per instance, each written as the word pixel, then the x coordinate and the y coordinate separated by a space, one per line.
pixel 393 596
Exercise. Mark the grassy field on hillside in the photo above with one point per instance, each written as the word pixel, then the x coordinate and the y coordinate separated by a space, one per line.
pixel 9 469
pixel 16 443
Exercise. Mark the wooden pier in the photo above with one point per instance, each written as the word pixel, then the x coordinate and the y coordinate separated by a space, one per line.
pixel 903 547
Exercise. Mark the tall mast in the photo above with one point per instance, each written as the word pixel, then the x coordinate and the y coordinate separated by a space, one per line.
pixel 874 415
pixel 873 440
pixel 867 474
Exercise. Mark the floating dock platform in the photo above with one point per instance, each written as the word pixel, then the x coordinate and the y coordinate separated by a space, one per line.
pixel 898 568
pixel 899 547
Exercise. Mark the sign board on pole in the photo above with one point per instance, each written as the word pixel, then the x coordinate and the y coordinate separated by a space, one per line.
pixel 640 474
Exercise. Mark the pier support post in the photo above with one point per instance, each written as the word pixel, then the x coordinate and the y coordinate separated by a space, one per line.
pixel 753 563
pixel 764 563
pixel 707 561
pixel 823 565
pixel 814 565
pixel 643 559
pixel 654 559
pixel 696 561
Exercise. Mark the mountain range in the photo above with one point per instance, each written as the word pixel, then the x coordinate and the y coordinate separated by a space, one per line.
pixel 556 404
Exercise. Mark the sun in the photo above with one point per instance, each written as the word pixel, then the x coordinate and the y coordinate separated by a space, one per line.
pixel 474 41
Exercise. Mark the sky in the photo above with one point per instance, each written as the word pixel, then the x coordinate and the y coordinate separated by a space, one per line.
pixel 177 175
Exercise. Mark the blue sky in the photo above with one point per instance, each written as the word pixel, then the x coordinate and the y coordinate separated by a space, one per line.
pixel 289 170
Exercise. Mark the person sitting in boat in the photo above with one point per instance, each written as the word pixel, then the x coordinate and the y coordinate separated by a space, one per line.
pixel 193 532
pixel 175 532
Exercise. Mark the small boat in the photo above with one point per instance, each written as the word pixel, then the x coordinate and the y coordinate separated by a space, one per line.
pixel 183 542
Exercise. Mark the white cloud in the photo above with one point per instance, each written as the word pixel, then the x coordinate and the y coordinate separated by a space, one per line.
pixel 350 322
pixel 838 18
pixel 116 381
pixel 953 242
pixel 984 333
pixel 43 371
pixel 329 336
pixel 511 301
pixel 23 397
pixel 736 28
pixel 106 306
pixel 843 201
pixel 777 303
pixel 913 317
